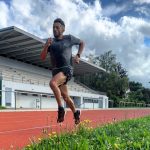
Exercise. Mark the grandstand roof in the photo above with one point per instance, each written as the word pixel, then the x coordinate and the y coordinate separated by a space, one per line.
pixel 23 46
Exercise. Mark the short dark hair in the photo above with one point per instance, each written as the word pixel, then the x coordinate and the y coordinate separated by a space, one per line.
pixel 59 20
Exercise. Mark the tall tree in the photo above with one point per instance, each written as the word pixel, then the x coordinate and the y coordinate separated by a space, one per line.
pixel 106 61
pixel 134 86
pixel 138 92
pixel 114 82
pixel 109 62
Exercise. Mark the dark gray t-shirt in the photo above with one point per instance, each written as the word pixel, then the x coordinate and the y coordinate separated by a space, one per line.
pixel 61 51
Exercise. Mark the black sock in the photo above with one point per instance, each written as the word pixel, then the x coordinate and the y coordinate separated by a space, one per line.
pixel 60 108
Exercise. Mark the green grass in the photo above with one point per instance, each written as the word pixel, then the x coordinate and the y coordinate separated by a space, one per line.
pixel 126 135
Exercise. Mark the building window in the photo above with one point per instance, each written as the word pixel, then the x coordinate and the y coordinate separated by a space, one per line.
pixel 25 94
pixel 34 94
pixel 90 100
pixel 8 96
pixel 8 104
pixel 44 95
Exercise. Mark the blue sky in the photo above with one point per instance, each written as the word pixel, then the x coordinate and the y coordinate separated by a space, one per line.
pixel 122 26
pixel 131 8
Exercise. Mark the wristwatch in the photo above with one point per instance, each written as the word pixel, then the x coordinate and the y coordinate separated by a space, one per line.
pixel 78 55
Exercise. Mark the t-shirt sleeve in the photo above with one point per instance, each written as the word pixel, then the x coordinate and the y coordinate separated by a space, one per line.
pixel 74 40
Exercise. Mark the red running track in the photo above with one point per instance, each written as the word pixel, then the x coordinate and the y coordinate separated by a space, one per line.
pixel 18 127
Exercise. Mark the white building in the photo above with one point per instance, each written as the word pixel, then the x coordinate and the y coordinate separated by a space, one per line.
pixel 24 78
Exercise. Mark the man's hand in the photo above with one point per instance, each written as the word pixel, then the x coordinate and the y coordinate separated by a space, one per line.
pixel 45 49
pixel 49 41
pixel 77 59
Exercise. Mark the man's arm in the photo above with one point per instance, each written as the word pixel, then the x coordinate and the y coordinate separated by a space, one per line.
pixel 80 50
pixel 45 49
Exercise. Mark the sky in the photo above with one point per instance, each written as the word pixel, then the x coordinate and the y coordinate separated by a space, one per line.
pixel 122 26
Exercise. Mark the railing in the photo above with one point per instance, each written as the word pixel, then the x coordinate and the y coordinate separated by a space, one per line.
pixel 90 90
pixel 34 80
pixel 133 104
pixel 21 76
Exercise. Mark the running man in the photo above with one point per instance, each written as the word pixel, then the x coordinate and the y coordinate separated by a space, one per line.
pixel 60 49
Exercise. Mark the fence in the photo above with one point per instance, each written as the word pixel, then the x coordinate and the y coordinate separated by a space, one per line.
pixel 133 104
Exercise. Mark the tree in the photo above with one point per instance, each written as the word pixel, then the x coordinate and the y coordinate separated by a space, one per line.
pixel 120 70
pixel 134 86
pixel 109 62
pixel 114 81
pixel 138 92
pixel 106 61
pixel 146 95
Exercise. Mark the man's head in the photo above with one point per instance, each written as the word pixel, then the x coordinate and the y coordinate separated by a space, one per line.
pixel 58 27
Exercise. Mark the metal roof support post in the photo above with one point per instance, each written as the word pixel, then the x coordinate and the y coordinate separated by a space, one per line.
pixel 15 99
pixel 40 101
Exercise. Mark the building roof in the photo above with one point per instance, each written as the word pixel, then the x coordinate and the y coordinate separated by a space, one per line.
pixel 23 46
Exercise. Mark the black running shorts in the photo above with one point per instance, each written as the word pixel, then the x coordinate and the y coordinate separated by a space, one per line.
pixel 68 72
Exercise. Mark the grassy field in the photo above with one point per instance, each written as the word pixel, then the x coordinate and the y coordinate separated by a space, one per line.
pixel 126 135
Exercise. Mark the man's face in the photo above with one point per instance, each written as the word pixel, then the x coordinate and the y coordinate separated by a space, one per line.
pixel 58 29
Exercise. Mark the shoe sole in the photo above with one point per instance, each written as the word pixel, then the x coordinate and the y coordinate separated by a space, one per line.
pixel 63 120
pixel 80 118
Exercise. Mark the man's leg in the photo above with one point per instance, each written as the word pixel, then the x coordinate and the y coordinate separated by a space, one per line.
pixel 56 81
pixel 68 100
pixel 66 97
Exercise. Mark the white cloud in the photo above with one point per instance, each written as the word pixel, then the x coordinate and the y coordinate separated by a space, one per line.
pixel 143 10
pixel 22 8
pixel 4 14
pixel 141 1
pixel 113 9
pixel 125 37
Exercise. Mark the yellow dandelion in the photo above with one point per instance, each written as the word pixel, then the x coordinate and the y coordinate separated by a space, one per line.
pixel 28 145
pixel 87 121
pixel 53 132
pixel 82 124
pixel 88 128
